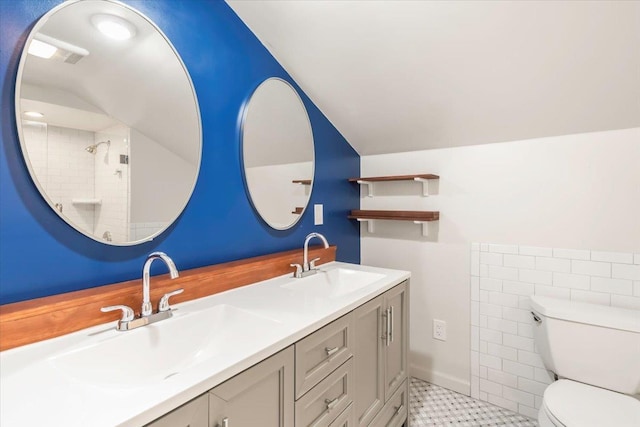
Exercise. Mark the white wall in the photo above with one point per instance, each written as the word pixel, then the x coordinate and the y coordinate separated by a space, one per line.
pixel 156 173
pixel 576 191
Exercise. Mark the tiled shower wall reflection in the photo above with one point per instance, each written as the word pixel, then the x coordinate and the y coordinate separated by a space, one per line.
pixel 67 172
pixel 506 370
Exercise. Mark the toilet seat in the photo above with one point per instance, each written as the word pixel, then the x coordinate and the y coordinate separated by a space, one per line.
pixel 569 403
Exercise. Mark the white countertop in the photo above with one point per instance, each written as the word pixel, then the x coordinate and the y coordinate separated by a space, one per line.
pixel 36 391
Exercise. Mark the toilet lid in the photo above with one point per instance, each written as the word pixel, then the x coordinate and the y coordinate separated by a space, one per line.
pixel 577 404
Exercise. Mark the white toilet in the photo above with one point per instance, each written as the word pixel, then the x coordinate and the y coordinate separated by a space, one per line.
pixel 595 350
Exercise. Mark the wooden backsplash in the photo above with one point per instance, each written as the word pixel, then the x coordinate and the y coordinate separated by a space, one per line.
pixel 39 319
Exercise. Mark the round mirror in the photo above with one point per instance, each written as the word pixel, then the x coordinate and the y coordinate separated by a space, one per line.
pixel 108 121
pixel 277 153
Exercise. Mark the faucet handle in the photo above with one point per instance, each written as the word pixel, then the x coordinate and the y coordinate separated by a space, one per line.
pixel 298 272
pixel 163 305
pixel 312 263
pixel 127 312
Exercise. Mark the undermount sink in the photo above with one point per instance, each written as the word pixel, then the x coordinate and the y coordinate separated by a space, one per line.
pixel 161 350
pixel 334 283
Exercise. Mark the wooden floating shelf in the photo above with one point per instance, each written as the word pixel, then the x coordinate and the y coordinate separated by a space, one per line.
pixel 395 178
pixel 297 211
pixel 423 178
pixel 418 217
pixel 302 181
pixel 395 215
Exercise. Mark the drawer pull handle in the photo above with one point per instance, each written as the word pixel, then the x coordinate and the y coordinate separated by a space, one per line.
pixel 331 350
pixel 391 327
pixel 386 335
pixel 331 403
pixel 398 410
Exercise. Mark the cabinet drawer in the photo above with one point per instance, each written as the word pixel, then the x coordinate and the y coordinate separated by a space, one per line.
pixel 260 396
pixel 394 412
pixel 346 419
pixel 323 403
pixel 191 414
pixel 322 352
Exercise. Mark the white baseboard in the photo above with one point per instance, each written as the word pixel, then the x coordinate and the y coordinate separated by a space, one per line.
pixel 459 385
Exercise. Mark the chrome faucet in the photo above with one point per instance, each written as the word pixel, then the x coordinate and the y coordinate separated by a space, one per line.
pixel 308 267
pixel 173 271
pixel 128 320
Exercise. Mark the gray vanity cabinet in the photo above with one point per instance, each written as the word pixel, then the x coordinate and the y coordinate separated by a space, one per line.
pixel 394 413
pixel 320 353
pixel 380 353
pixel 396 357
pixel 260 396
pixel 346 419
pixel 369 356
pixel 192 414
pixel 351 372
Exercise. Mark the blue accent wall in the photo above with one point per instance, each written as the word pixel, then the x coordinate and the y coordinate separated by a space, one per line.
pixel 41 255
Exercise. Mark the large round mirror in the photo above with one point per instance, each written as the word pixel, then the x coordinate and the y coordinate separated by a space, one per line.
pixel 108 121
pixel 277 153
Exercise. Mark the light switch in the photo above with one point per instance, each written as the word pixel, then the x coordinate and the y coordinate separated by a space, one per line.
pixel 318 217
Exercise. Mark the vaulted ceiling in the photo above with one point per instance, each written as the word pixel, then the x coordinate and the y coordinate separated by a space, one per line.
pixel 396 76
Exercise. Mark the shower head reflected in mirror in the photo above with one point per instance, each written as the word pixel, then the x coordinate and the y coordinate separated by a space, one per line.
pixel 93 148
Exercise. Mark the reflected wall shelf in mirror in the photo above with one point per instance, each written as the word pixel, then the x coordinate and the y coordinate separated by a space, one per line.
pixel 302 181
pixel 423 178
pixel 86 201
pixel 418 217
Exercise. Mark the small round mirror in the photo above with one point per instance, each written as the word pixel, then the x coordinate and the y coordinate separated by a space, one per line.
pixel 277 153
pixel 108 121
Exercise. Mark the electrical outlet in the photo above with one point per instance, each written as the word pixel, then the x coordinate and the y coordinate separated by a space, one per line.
pixel 439 330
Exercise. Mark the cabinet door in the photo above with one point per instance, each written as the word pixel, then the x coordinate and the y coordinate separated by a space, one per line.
pixel 260 396
pixel 396 349
pixel 191 414
pixel 369 360
pixel 395 411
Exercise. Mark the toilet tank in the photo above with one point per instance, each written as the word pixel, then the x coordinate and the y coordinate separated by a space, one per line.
pixel 589 343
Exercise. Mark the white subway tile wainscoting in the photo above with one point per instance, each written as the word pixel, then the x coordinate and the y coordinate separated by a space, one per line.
pixel 506 369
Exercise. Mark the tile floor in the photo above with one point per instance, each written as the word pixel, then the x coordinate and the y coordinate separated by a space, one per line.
pixel 431 405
